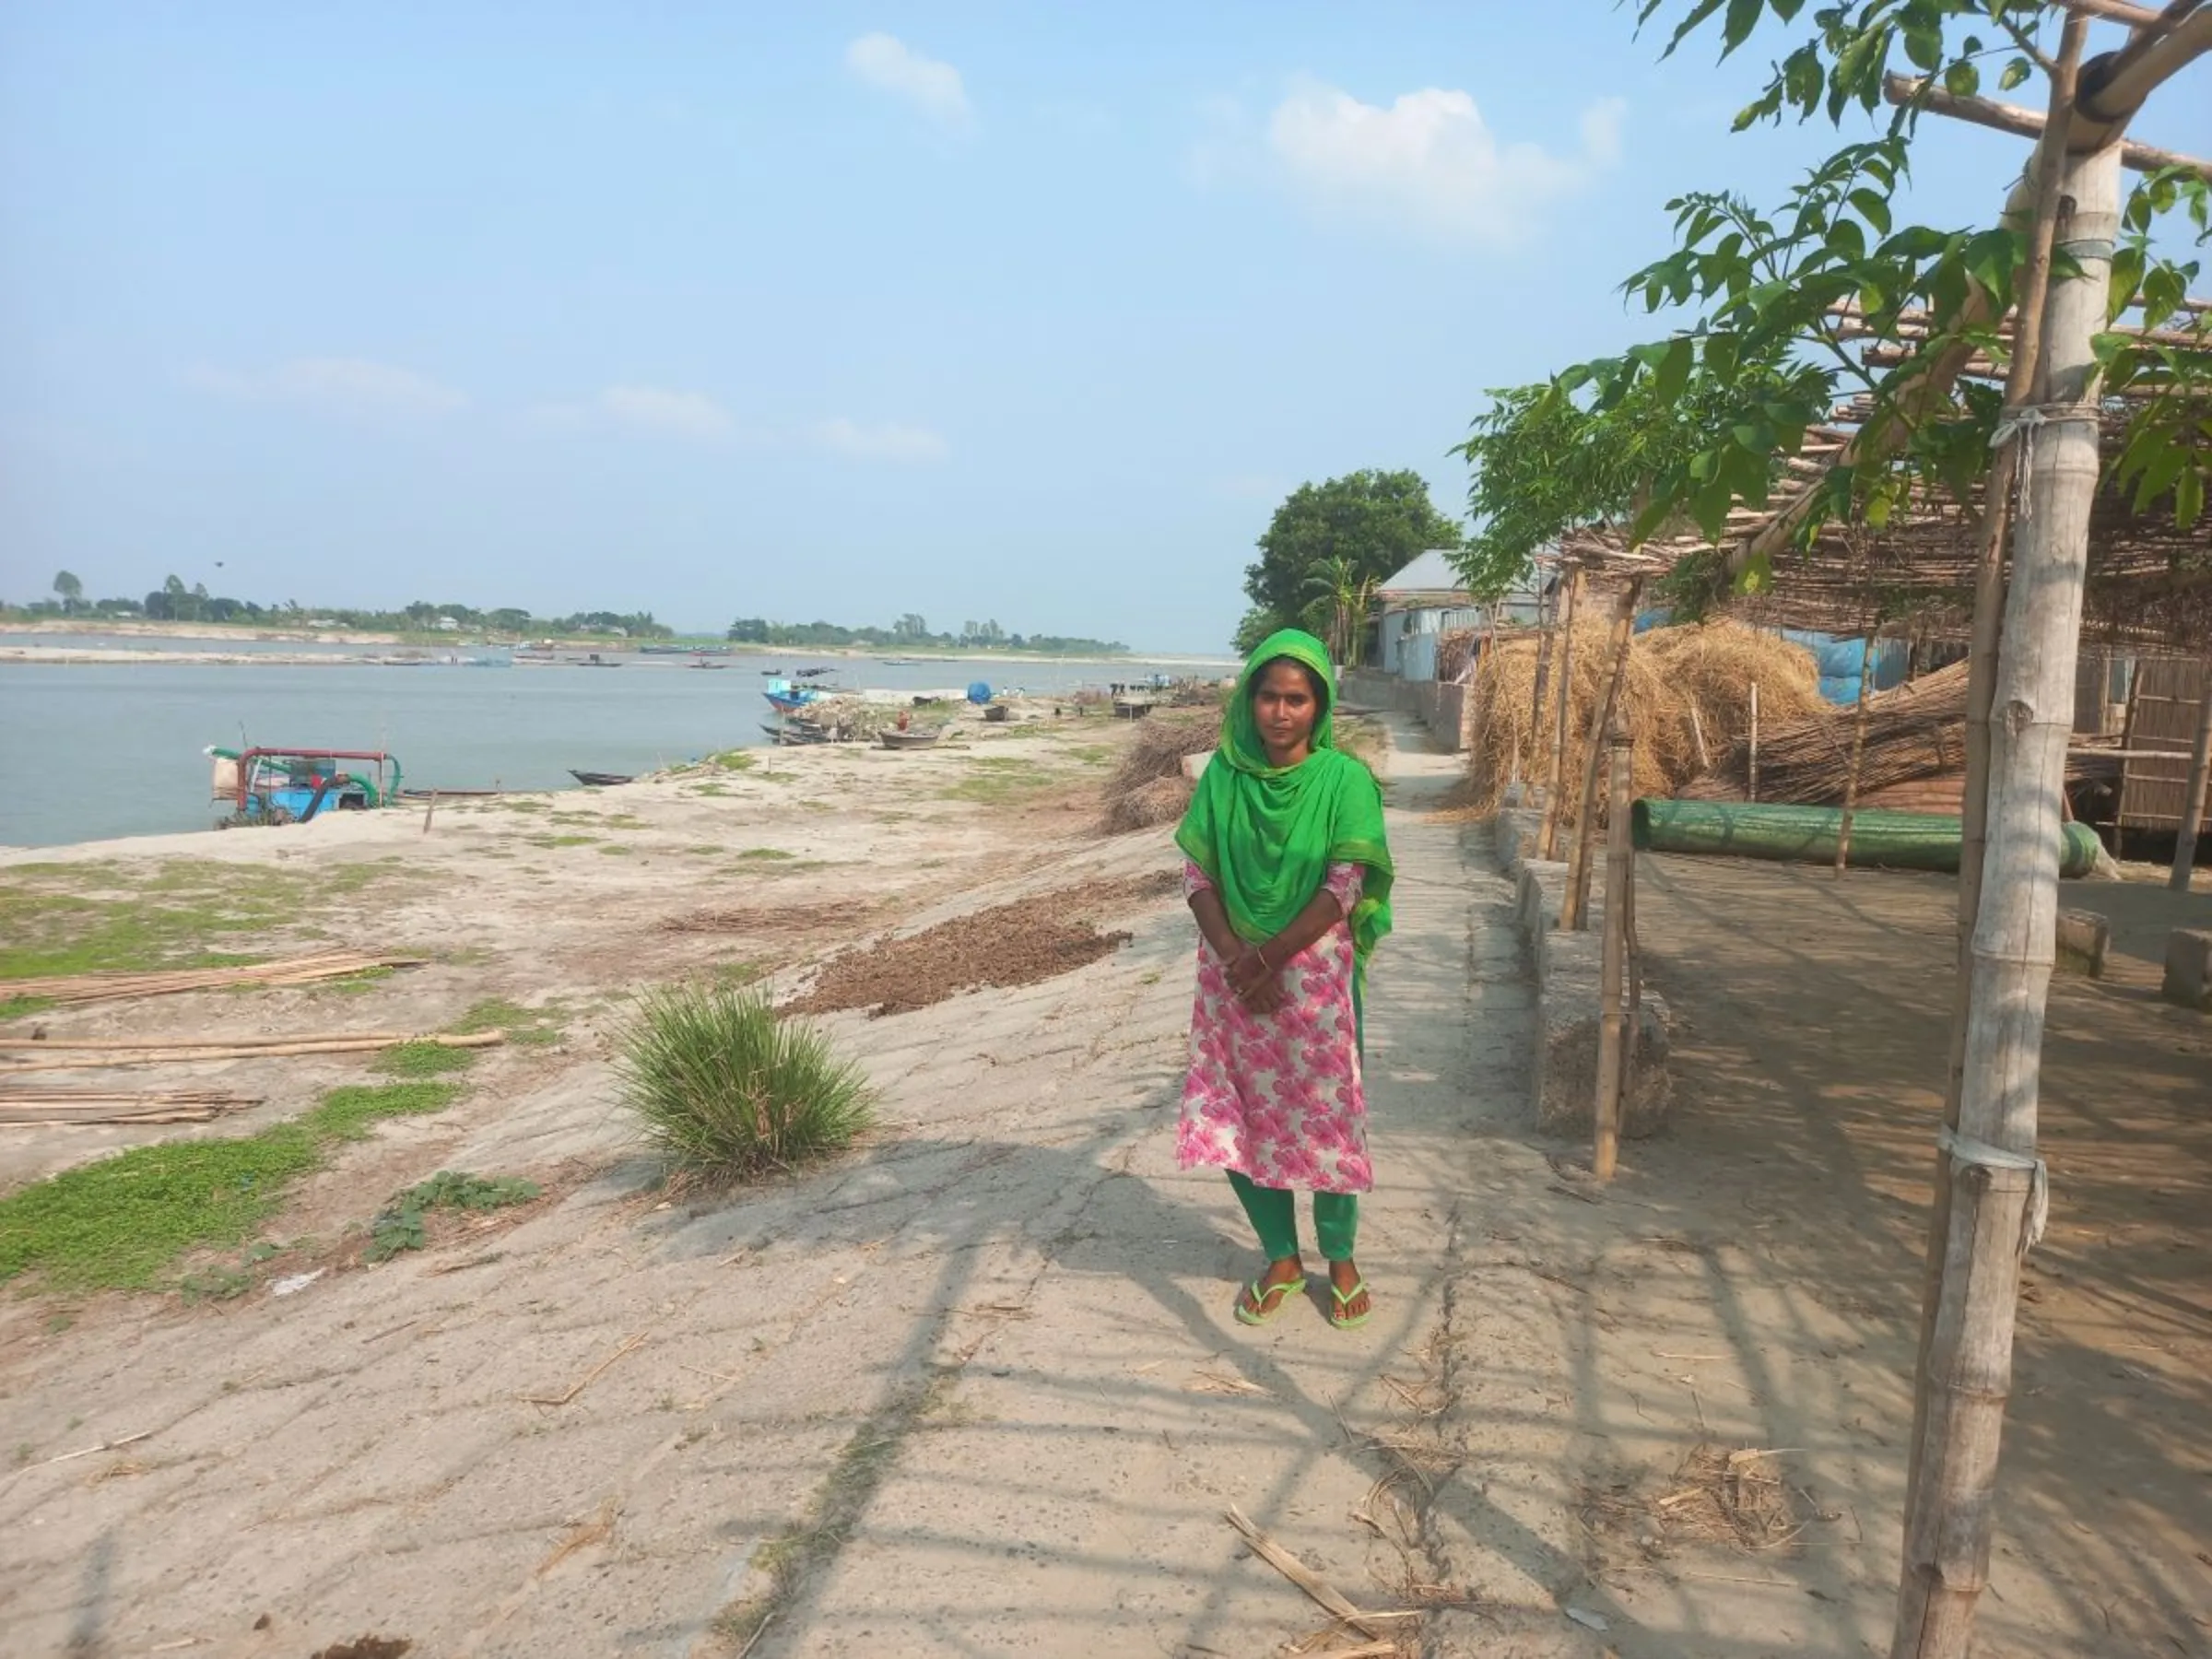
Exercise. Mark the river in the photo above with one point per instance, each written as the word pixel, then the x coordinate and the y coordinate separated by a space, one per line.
pixel 91 751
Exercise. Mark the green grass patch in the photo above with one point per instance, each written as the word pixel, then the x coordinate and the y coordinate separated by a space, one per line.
pixel 765 853
pixel 992 779
pixel 182 914
pixel 734 760
pixel 399 1225
pixel 22 1007
pixel 118 1223
pixel 511 804
pixel 704 851
pixel 779 777
pixel 525 1027
pixel 348 1114
pixel 564 840
pixel 616 850
pixel 726 1090
pixel 422 1060
pixel 625 820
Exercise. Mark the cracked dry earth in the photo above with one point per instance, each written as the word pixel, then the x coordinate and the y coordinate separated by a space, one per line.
pixel 975 1390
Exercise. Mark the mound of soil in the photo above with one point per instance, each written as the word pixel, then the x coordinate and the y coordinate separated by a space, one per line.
pixel 1017 943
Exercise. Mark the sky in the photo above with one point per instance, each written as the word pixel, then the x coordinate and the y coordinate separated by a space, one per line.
pixel 1028 312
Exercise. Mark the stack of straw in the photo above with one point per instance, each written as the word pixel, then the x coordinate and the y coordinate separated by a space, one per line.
pixel 1916 732
pixel 1684 700
pixel 1148 787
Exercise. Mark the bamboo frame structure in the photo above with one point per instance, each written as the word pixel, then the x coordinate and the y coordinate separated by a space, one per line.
pixel 2046 168
pixel 1574 906
pixel 1996 1181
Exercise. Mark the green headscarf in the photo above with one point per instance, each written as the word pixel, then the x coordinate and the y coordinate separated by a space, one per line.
pixel 1266 835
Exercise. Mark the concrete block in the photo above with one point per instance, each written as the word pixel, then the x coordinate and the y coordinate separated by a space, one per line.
pixel 1517 831
pixel 2189 968
pixel 2085 939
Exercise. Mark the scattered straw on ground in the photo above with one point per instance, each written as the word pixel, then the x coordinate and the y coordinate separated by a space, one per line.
pixel 1017 943
pixel 1685 699
pixel 1738 1500
pixel 771 921
pixel 1148 787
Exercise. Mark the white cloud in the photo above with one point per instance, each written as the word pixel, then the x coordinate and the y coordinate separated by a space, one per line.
pixel 691 415
pixel 1429 162
pixel 933 88
pixel 352 385
pixel 887 443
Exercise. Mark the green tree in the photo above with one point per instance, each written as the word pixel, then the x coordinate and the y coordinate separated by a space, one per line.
pixel 1377 521
pixel 68 589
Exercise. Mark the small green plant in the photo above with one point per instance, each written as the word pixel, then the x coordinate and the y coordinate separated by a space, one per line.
pixel 422 1060
pixel 734 760
pixel 726 1090
pixel 399 1225
pixel 712 790
pixel 765 853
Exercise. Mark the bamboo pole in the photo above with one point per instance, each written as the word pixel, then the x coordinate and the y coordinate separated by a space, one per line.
pixel 1997 1182
pixel 1547 638
pixel 1754 741
pixel 2193 797
pixel 1612 1039
pixel 1574 908
pixel 1869 637
pixel 1556 766
pixel 2046 170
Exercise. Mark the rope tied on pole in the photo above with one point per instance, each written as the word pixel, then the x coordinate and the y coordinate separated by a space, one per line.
pixel 2018 426
pixel 1966 1149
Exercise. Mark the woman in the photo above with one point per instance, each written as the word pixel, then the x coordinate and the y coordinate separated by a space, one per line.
pixel 1289 875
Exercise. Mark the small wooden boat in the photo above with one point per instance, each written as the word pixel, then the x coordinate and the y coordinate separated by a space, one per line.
pixel 592 779
pixel 910 740
pixel 795 734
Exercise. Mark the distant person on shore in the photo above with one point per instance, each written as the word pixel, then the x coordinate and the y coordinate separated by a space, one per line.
pixel 1288 874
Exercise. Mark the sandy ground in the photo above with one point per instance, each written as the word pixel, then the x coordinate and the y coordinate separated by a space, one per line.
pixel 976 1389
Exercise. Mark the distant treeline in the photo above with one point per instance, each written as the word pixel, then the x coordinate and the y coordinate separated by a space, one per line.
pixel 911 633
pixel 173 602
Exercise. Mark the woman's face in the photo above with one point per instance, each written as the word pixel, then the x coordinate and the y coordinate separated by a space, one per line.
pixel 1285 709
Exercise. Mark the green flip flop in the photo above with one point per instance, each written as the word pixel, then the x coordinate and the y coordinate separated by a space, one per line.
pixel 1343 1300
pixel 1260 1293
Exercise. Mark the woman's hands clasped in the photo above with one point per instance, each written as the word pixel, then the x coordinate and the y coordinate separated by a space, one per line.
pixel 1257 980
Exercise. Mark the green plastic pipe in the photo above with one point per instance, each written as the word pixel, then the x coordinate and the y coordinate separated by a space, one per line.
pixel 1894 840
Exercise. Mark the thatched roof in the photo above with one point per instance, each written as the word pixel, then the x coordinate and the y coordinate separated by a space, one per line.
pixel 2150 582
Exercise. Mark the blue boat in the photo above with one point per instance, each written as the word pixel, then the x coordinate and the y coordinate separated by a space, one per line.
pixel 786 698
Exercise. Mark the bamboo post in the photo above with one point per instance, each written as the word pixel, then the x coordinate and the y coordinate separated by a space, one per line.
pixel 1871 637
pixel 429 812
pixel 2193 797
pixel 1573 909
pixel 2048 168
pixel 1546 638
pixel 1754 741
pixel 1635 949
pixel 1556 766
pixel 1611 1035
pixel 1997 1185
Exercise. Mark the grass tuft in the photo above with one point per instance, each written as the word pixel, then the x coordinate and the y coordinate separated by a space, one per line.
pixel 726 1090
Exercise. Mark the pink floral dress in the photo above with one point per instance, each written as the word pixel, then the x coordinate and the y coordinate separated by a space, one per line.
pixel 1278 1096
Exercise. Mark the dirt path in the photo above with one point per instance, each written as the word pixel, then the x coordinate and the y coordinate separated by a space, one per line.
pixel 976 1391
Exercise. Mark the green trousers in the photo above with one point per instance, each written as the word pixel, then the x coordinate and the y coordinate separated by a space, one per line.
pixel 1273 1213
